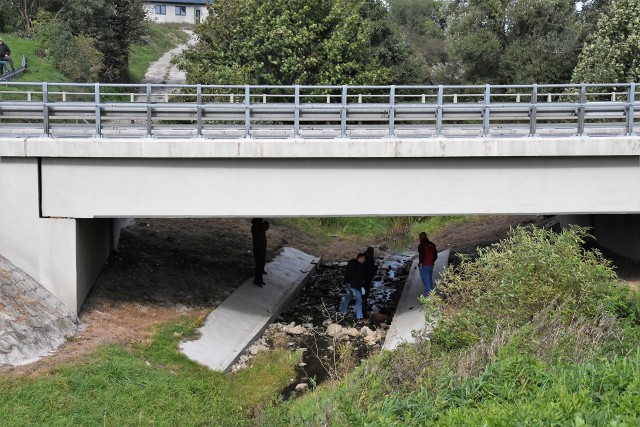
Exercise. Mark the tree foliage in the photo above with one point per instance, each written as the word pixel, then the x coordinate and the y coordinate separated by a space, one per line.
pixel 422 24
pixel 113 24
pixel 612 54
pixel 76 56
pixel 296 42
pixel 513 41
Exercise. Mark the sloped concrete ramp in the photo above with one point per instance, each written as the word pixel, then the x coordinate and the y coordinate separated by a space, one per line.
pixel 409 316
pixel 246 313
pixel 33 323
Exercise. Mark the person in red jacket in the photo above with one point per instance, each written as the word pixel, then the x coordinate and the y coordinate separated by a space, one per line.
pixel 427 255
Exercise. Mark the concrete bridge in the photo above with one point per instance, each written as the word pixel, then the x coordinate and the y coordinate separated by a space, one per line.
pixel 76 160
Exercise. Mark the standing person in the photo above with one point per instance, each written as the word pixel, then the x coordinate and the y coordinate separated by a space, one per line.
pixel 353 282
pixel 5 55
pixel 370 270
pixel 259 234
pixel 427 255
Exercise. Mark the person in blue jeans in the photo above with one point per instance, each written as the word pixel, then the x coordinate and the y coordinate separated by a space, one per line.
pixel 427 255
pixel 353 283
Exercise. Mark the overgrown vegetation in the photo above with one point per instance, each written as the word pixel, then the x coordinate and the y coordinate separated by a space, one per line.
pixel 536 331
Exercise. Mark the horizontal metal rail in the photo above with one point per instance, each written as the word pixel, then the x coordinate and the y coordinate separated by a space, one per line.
pixel 228 111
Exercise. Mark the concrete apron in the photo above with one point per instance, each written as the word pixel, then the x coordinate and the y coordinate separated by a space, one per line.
pixel 409 315
pixel 244 316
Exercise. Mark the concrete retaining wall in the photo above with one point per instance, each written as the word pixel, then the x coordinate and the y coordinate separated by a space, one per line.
pixel 617 233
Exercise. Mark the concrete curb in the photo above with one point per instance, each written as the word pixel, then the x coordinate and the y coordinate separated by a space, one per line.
pixel 409 316
pixel 244 316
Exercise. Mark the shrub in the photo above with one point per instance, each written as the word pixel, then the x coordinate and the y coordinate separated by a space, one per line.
pixel 75 56
pixel 514 280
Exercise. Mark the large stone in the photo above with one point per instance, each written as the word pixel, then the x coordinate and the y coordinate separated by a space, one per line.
pixel 352 332
pixel 334 329
pixel 294 330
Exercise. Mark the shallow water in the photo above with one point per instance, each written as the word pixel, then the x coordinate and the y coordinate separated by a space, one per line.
pixel 319 301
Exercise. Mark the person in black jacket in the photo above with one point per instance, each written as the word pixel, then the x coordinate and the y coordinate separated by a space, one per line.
pixel 5 55
pixel 370 270
pixel 259 229
pixel 353 283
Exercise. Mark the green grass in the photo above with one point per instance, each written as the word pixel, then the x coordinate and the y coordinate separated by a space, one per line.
pixel 398 230
pixel 162 38
pixel 148 385
pixel 39 69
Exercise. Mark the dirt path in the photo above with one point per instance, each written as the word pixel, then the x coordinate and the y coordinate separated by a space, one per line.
pixel 163 71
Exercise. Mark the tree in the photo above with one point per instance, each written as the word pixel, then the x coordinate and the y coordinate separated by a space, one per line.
pixel 113 24
pixel 513 41
pixel 74 55
pixel 612 54
pixel 296 42
pixel 422 23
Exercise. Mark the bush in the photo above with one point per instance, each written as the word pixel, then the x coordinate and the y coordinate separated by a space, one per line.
pixel 514 280
pixel 75 56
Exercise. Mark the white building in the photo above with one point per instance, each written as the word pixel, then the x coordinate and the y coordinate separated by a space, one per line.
pixel 181 11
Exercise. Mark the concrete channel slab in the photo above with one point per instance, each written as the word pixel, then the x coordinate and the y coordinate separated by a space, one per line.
pixel 247 312
pixel 409 316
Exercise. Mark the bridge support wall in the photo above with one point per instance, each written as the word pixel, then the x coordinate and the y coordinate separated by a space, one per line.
pixel 617 233
pixel 64 255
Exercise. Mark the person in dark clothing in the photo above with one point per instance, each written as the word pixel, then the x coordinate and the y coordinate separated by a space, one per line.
pixel 5 55
pixel 370 269
pixel 427 255
pixel 353 283
pixel 259 228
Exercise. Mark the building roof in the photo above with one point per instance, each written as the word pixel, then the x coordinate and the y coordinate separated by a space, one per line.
pixel 183 2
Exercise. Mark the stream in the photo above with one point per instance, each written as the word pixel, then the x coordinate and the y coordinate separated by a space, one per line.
pixel 333 343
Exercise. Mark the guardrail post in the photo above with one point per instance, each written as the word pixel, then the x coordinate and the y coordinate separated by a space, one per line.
pixel 45 110
pixel 439 111
pixel 485 111
pixel 98 111
pixel 533 121
pixel 149 112
pixel 199 111
pixel 631 99
pixel 247 111
pixel 343 113
pixel 296 111
pixel 581 108
pixel 392 113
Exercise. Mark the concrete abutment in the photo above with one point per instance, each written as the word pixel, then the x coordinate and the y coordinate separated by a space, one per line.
pixel 64 255
pixel 619 233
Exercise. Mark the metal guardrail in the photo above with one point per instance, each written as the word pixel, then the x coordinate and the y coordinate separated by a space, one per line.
pixel 226 111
